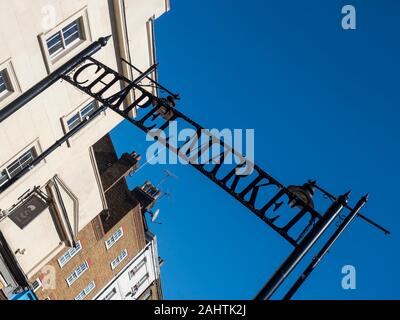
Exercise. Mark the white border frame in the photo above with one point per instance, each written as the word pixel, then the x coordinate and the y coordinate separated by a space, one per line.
pixel 75 279
pixel 39 286
pixel 84 292
pixel 72 256
pixel 115 266
pixel 105 241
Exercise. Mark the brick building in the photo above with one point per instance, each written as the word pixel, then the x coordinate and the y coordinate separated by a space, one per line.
pixel 103 248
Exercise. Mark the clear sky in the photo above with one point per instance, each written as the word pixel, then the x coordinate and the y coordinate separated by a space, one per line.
pixel 324 104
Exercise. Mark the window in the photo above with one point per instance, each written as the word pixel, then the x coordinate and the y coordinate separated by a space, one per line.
pixel 81 115
pixel 66 257
pixel 141 282
pixel 36 285
pixel 111 294
pixel 9 86
pixel 17 165
pixel 147 295
pixel 140 265
pixel 89 288
pixel 64 38
pixel 114 238
pixel 4 88
pixel 119 259
pixel 77 273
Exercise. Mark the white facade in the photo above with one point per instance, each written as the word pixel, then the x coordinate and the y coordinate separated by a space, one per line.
pixel 26 57
pixel 136 277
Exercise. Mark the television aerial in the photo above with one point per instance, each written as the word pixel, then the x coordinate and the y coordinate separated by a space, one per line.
pixel 168 174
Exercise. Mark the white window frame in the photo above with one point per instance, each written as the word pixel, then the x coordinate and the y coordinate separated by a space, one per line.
pixel 85 292
pixel 63 39
pixel 39 285
pixel 121 257
pixel 57 59
pixel 77 273
pixel 69 254
pixel 136 268
pixel 140 283
pixel 5 169
pixel 147 295
pixel 13 89
pixel 81 116
pixel 5 81
pixel 111 241
pixel 111 294
pixel 64 120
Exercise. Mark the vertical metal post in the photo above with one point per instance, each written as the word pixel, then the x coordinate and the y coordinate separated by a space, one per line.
pixel 316 260
pixel 302 249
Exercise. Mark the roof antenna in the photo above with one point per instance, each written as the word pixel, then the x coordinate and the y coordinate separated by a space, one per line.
pixel 168 174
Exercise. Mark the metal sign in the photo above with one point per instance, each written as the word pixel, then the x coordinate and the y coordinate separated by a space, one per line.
pixel 26 212
pixel 259 192
pixel 262 194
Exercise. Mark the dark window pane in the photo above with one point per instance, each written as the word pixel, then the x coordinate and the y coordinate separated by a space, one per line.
pixel 73 122
pixel 3 86
pixel 54 44
pixel 22 162
pixel 88 110
pixel 71 32
pixel 3 177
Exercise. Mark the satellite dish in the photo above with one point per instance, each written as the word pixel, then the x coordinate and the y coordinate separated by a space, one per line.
pixel 155 215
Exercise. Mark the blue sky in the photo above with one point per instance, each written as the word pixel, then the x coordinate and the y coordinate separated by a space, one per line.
pixel 324 105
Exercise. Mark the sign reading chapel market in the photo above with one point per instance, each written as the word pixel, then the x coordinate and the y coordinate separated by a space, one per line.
pixel 287 210
pixel 26 212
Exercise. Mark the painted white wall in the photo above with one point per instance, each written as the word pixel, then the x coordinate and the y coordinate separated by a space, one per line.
pixel 122 286
pixel 40 122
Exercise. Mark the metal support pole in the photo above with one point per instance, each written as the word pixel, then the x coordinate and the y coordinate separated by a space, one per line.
pixel 51 79
pixel 359 215
pixel 325 249
pixel 302 249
